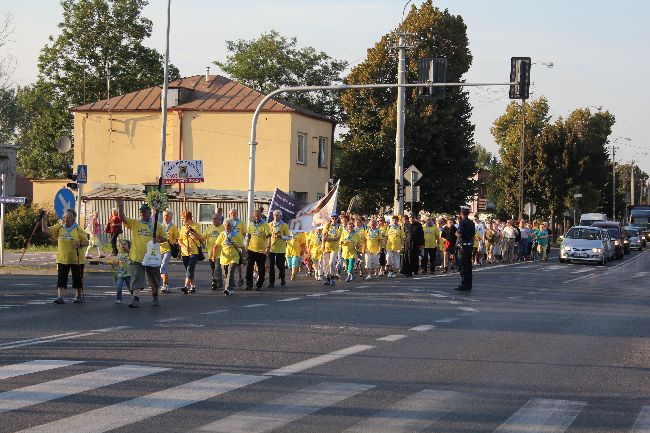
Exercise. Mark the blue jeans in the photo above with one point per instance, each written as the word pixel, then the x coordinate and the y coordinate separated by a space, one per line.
pixel 190 263
pixel 166 257
pixel 119 284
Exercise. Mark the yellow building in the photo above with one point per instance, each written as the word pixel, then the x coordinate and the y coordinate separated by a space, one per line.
pixel 119 139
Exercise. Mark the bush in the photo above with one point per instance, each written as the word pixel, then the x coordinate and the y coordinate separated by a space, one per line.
pixel 19 223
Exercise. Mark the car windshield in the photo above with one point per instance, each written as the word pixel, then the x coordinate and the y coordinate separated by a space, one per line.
pixel 631 233
pixel 613 232
pixel 584 233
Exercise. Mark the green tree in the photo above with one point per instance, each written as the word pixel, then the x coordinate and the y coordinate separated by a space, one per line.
pixel 8 115
pixel 273 61
pixel 439 136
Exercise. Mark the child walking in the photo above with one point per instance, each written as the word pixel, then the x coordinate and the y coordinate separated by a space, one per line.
pixel 121 269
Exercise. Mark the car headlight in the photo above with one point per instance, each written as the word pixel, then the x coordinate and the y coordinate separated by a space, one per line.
pixel 597 250
pixel 567 248
pixel 625 241
pixel 616 243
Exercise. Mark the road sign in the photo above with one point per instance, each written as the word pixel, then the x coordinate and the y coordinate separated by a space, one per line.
pixel 412 193
pixel 577 195
pixel 82 174
pixel 412 175
pixel 12 200
pixel 530 209
pixel 63 200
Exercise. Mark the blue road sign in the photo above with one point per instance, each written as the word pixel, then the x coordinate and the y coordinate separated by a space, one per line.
pixel 12 200
pixel 82 174
pixel 63 200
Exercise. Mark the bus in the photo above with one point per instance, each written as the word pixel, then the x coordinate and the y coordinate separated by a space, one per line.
pixel 640 217
pixel 587 219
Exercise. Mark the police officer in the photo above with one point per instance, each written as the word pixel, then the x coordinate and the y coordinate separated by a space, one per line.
pixel 466 232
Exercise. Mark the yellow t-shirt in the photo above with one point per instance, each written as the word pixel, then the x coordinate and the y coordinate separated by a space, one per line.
pixel 141 233
pixel 229 247
pixel 191 242
pixel 66 253
pixel 395 237
pixel 315 245
pixel 332 231
pixel 171 234
pixel 278 245
pixel 296 245
pixel 210 236
pixel 239 226
pixel 350 244
pixel 431 236
pixel 259 233
pixel 373 239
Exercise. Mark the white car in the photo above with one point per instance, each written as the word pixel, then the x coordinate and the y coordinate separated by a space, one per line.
pixel 634 238
pixel 584 244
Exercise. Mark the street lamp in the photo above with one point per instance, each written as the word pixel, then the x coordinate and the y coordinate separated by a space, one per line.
pixel 614 174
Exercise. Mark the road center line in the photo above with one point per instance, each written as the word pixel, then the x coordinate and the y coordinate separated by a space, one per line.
pixel 318 360
pixel 391 337
pixel 422 328
pixel 214 312
pixel 171 319
pixel 42 341
pixel 253 305
pixel 316 295
pixel 11 343
pixel 288 300
pixel 447 320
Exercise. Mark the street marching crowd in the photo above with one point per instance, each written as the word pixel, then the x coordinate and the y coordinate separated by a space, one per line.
pixel 240 254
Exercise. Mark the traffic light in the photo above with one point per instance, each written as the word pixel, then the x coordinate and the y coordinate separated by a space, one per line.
pixel 432 70
pixel 72 185
pixel 519 74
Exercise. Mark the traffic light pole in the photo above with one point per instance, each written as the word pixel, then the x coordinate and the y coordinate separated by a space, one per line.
pixel 401 117
pixel 521 159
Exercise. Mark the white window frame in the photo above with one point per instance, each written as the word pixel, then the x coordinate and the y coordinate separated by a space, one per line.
pixel 322 151
pixel 301 147
pixel 214 210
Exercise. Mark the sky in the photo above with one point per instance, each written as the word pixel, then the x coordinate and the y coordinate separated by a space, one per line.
pixel 599 48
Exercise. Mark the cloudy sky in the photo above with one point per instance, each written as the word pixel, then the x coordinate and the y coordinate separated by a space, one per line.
pixel 599 48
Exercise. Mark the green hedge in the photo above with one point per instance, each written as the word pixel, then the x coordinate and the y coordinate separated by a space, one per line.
pixel 19 223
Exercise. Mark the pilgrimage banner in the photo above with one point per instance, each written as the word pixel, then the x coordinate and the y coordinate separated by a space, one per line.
pixel 304 218
pixel 182 171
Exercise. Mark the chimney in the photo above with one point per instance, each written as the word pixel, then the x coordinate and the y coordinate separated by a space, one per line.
pixel 207 76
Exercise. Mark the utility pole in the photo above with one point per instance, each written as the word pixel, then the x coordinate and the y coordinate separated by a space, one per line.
pixel 632 183
pixel 401 118
pixel 613 183
pixel 163 133
pixel 521 159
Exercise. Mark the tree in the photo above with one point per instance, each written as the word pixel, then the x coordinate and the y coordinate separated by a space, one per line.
pixel 7 61
pixel 273 61
pixel 439 137
pixel 8 115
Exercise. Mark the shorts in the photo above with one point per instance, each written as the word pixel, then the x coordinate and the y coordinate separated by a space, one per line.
pixel 294 262
pixel 138 273
pixel 62 271
pixel 393 259
pixel 372 260
pixel 166 257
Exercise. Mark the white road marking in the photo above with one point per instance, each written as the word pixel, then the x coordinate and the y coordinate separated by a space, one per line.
pixel 318 360
pixel 47 340
pixel 391 337
pixel 438 296
pixel 171 319
pixel 42 392
pixel 29 340
pixel 362 287
pixel 253 305
pixel 447 320
pixel 112 328
pixel 214 312
pixel 581 271
pixel 13 370
pixel 141 408
pixel 470 309
pixel 422 328
pixel 514 297
pixel 316 295
pixel 615 268
pixel 288 300
pixel 642 423
pixel 412 414
pixel 339 291
pixel 284 410
pixel 543 416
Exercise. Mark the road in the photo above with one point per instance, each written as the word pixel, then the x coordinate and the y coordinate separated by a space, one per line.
pixel 535 347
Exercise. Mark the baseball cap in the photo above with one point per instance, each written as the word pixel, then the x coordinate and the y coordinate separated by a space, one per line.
pixel 144 207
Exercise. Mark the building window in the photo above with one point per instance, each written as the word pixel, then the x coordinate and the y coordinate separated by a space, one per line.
pixel 206 213
pixel 319 196
pixel 322 151
pixel 302 149
pixel 300 196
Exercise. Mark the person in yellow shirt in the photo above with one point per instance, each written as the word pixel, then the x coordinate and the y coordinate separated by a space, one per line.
pixel 394 241
pixel 231 244
pixel 331 243
pixel 373 236
pixel 315 251
pixel 351 244
pixel 190 242
pixel 259 245
pixel 172 235
pixel 296 246
pixel 209 237
pixel 70 238
pixel 431 242
pixel 279 236
pixel 240 227
pixel 142 231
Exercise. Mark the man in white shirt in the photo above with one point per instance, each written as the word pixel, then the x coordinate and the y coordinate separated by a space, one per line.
pixel 509 236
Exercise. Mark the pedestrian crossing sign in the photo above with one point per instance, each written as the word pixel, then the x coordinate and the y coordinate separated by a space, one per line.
pixel 82 174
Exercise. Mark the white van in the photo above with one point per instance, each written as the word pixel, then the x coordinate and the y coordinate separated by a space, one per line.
pixel 587 219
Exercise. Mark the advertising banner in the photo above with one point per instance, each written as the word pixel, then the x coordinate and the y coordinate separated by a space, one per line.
pixel 182 171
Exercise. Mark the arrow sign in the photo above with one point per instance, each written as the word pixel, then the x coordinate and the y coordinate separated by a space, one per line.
pixel 63 200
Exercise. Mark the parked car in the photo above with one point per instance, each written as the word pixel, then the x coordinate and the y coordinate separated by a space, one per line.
pixel 584 244
pixel 634 238
pixel 616 233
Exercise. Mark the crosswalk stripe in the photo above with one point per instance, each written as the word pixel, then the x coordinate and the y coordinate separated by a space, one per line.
pixel 141 408
pixel 35 394
pixel 542 416
pixel 7 371
pixel 393 337
pixel 422 328
pixel 412 414
pixel 284 410
pixel 318 360
pixel 288 300
pixel 642 423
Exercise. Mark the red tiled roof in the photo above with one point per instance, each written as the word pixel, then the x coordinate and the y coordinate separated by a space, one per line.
pixel 218 94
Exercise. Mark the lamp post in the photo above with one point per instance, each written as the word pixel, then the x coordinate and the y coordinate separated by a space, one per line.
pixel 614 174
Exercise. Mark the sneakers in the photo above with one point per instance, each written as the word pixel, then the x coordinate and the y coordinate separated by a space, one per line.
pixel 154 303
pixel 77 300
pixel 135 303
pixel 118 301
pixel 89 257
pixel 369 277
pixel 332 282
pixel 226 292
pixel 185 290
pixel 164 288
pixel 318 278
pixel 349 278
pixel 193 289
pixel 327 282
pixel 240 283
pixel 59 301
pixel 283 283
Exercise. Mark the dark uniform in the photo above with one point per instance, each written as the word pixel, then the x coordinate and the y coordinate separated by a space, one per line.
pixel 467 229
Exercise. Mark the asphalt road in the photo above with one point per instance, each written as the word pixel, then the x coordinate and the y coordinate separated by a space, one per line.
pixel 535 347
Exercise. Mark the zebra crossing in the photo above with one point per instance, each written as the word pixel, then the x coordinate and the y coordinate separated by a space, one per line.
pixel 415 411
